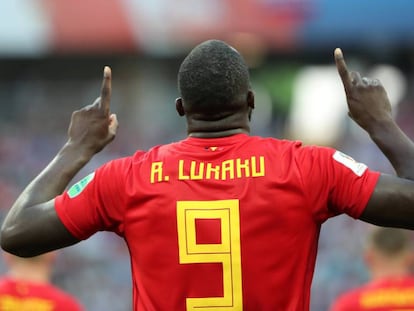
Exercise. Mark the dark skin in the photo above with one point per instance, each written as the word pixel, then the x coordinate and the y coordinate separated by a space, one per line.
pixel 32 226
pixel 235 123
pixel 392 201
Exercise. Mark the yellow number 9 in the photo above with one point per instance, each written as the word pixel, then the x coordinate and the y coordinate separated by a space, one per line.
pixel 227 252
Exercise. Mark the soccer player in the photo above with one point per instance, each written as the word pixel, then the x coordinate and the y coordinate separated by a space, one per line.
pixel 220 220
pixel 27 286
pixel 389 259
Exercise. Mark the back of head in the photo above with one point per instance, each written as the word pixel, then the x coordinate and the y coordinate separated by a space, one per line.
pixel 213 79
pixel 390 242
pixel 38 268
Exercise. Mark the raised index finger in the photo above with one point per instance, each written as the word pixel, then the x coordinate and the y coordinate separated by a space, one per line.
pixel 342 69
pixel 106 90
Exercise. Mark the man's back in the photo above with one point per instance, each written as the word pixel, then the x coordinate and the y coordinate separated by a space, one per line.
pixel 204 219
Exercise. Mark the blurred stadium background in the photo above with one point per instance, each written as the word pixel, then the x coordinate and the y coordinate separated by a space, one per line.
pixel 52 53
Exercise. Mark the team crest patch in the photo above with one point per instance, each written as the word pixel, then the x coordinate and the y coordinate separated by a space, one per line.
pixel 77 188
pixel 356 167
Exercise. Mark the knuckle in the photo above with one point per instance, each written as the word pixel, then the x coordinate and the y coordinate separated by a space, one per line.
pixel 76 113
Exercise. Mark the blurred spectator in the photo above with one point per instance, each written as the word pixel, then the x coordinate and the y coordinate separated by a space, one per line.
pixel 27 286
pixel 389 257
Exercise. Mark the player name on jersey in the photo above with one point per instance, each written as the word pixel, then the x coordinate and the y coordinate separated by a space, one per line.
pixel 388 297
pixel 198 170
pixel 9 302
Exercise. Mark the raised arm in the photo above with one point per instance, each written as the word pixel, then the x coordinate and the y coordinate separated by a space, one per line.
pixel 392 203
pixel 370 108
pixel 32 226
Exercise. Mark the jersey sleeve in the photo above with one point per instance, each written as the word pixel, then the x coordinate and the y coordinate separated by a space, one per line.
pixel 95 203
pixel 335 183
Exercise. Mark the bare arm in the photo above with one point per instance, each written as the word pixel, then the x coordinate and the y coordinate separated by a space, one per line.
pixel 392 203
pixel 32 226
pixel 370 108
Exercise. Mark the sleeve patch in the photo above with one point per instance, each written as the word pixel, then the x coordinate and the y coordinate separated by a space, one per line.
pixel 77 188
pixel 356 167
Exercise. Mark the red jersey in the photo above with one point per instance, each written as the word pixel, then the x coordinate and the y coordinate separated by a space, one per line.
pixel 17 295
pixel 393 294
pixel 219 224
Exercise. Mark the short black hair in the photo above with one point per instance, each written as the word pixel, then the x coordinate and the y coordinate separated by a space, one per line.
pixel 213 77
pixel 390 241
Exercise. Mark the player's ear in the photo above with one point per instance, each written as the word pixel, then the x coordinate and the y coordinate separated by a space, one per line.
pixel 250 103
pixel 179 106
pixel 250 99
pixel 369 257
pixel 410 259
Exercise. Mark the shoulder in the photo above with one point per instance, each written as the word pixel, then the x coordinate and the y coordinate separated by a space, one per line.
pixel 295 146
pixel 153 152
pixel 65 299
pixel 71 303
pixel 275 144
pixel 122 165
pixel 6 282
pixel 306 155
pixel 347 301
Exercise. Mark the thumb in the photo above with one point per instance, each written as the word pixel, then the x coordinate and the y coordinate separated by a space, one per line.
pixel 113 125
pixel 350 116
